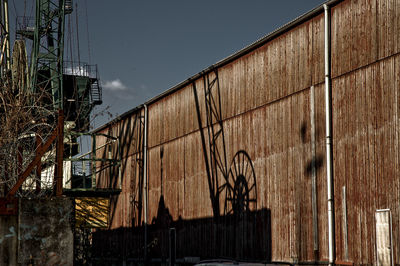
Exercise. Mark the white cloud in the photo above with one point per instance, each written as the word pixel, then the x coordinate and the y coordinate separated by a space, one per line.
pixel 114 85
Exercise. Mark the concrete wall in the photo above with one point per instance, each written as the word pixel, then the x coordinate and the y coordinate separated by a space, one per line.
pixel 8 240
pixel 42 234
pixel 45 231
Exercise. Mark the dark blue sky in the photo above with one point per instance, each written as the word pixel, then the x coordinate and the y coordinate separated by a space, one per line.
pixel 143 48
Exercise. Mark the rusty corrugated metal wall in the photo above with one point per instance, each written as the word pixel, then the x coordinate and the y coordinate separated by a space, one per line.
pixel 270 100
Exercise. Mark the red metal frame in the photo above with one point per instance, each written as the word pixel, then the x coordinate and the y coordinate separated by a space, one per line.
pixel 58 173
pixel 31 166
pixel 8 206
pixel 57 133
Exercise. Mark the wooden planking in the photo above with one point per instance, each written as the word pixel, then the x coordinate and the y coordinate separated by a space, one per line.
pixel 153 123
pixel 249 82
pixel 154 181
pixel 195 187
pixel 386 136
pixel 294 189
pixel 193 113
pixel 226 83
pixel 299 156
pixel 395 187
pixel 239 136
pixel 127 132
pixel 260 76
pixel 341 38
pixel 275 70
pixel 174 174
pixel 366 135
pixel 190 150
pixel 273 178
pixel 303 156
pixel 321 172
pixel 297 59
pixel 339 106
pixel 240 85
pixel 318 55
pixel 294 53
pixel 365 119
pixel 371 76
pixel 101 178
pixel 362 32
pixel 243 138
pixel 388 26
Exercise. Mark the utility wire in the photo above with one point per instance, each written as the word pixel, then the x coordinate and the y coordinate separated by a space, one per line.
pixel 87 31
pixel 70 42
pixel 77 35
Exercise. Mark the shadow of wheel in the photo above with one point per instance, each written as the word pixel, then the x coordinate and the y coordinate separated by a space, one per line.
pixel 241 189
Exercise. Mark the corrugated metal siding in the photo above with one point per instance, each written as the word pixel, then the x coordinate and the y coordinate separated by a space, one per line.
pixel 362 32
pixel 265 108
pixel 317 55
pixel 366 104
pixel 125 209
pixel 388 26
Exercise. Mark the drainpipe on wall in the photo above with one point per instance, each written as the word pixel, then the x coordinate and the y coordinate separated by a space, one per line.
pixel 145 176
pixel 329 153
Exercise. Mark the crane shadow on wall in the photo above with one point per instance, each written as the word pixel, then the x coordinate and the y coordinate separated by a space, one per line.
pixel 237 228
pixel 129 147
pixel 240 232
pixel 235 184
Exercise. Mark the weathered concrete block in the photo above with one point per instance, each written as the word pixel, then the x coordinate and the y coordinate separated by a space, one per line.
pixel 8 240
pixel 46 231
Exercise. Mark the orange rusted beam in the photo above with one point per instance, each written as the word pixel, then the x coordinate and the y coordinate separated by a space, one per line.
pixel 58 173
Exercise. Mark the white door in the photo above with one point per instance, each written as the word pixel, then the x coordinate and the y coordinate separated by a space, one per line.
pixel 383 222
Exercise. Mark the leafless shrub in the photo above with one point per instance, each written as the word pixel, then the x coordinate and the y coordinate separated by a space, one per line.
pixel 24 122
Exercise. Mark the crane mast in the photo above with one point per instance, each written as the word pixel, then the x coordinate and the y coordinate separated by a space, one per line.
pixel 48 47
pixel 4 38
pixel 57 95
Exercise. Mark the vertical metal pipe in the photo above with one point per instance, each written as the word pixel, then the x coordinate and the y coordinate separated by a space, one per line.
pixel 119 164
pixel 145 176
pixel 7 37
pixel 39 165
pixel 313 172
pixel 172 246
pixel 344 221
pixel 328 128
pixel 93 161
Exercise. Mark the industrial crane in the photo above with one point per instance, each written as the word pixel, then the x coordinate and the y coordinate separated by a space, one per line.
pixel 61 96
pixel 66 98
pixel 4 38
